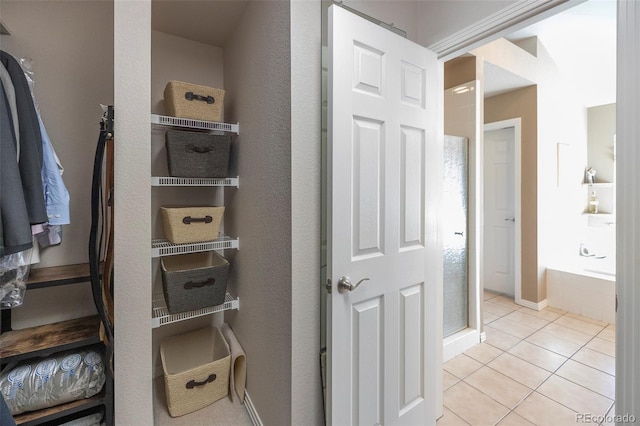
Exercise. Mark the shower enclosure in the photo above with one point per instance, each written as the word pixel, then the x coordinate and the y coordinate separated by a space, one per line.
pixel 455 239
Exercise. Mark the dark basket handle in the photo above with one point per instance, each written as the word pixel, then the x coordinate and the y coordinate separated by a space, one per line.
pixel 198 149
pixel 192 383
pixel 188 220
pixel 190 96
pixel 190 284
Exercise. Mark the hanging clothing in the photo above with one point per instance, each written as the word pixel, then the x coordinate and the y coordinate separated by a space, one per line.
pixel 55 192
pixel 15 230
pixel 30 163
pixel 10 92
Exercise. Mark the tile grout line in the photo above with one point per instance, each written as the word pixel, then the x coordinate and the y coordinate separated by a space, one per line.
pixel 553 373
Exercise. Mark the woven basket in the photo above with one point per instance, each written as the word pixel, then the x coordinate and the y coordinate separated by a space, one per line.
pixel 188 100
pixel 194 281
pixel 183 225
pixel 196 370
pixel 195 154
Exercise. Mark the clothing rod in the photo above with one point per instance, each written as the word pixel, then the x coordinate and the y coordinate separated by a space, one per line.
pixel 389 27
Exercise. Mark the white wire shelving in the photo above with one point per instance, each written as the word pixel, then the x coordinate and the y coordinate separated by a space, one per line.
pixel 189 123
pixel 180 181
pixel 161 315
pixel 161 247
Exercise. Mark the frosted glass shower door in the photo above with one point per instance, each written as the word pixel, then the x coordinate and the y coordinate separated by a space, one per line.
pixel 455 212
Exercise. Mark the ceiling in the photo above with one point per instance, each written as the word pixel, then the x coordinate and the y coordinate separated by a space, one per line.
pixel 209 22
pixel 582 43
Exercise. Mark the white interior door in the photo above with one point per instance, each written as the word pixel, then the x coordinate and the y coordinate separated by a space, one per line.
pixel 499 211
pixel 384 163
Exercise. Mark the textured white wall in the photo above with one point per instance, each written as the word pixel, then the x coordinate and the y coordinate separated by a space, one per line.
pixel 132 65
pixel 257 67
pixel 306 387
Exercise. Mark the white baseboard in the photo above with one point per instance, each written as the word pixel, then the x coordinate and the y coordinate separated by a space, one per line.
pixel 483 336
pixel 533 305
pixel 255 418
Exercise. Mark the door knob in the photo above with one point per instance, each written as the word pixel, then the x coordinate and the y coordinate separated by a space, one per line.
pixel 344 284
pixel 513 219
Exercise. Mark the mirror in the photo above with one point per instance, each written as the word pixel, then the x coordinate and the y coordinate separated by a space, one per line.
pixel 601 134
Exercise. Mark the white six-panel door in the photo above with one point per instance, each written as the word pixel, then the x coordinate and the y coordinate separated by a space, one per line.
pixel 383 149
pixel 499 219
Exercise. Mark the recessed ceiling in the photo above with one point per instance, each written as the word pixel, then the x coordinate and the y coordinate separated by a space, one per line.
pixel 582 43
pixel 205 21
pixel 498 80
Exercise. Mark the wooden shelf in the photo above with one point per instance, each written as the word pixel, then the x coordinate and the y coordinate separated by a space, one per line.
pixel 58 275
pixel 52 413
pixel 42 340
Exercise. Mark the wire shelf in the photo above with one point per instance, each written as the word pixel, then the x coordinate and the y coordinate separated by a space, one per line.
pixel 164 120
pixel 178 181
pixel 161 316
pixel 161 247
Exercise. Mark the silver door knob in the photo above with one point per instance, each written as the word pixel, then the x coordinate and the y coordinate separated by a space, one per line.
pixel 344 284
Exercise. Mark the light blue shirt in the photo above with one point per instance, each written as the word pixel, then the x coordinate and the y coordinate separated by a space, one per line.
pixel 56 196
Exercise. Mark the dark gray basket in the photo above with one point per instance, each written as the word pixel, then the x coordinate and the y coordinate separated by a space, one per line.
pixel 194 281
pixel 200 155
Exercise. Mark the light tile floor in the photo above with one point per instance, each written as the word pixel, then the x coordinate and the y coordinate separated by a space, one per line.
pixel 541 368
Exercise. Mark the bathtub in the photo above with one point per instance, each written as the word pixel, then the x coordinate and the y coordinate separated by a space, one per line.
pixel 585 286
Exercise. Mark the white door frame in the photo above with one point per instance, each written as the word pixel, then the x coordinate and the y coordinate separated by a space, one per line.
pixel 516 123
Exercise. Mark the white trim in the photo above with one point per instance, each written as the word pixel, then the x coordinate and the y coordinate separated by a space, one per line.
pixel 251 409
pixel 483 336
pixel 459 342
pixel 514 17
pixel 533 305
pixel 628 221
pixel 516 123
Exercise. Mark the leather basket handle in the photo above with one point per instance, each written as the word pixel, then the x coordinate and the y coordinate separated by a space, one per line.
pixel 188 220
pixel 197 149
pixel 190 96
pixel 192 383
pixel 191 284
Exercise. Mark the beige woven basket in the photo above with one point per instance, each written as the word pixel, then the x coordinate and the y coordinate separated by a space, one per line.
pixel 183 225
pixel 196 370
pixel 186 100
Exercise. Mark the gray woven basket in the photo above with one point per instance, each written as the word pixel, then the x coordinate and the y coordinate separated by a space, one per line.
pixel 194 281
pixel 194 154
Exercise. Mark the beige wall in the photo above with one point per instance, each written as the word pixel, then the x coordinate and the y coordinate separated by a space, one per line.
pixel 73 75
pixel 459 71
pixel 560 120
pixel 523 103
pixel 258 85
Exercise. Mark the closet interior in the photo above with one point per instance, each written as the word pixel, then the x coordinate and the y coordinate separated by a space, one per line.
pixel 239 46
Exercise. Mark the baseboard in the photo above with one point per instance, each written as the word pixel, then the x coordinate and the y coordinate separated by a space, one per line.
pixel 533 305
pixel 483 336
pixel 251 409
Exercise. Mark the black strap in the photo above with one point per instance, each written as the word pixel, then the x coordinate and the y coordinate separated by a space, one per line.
pixel 94 253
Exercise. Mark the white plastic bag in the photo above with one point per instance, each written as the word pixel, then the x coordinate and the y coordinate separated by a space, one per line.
pixel 14 273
